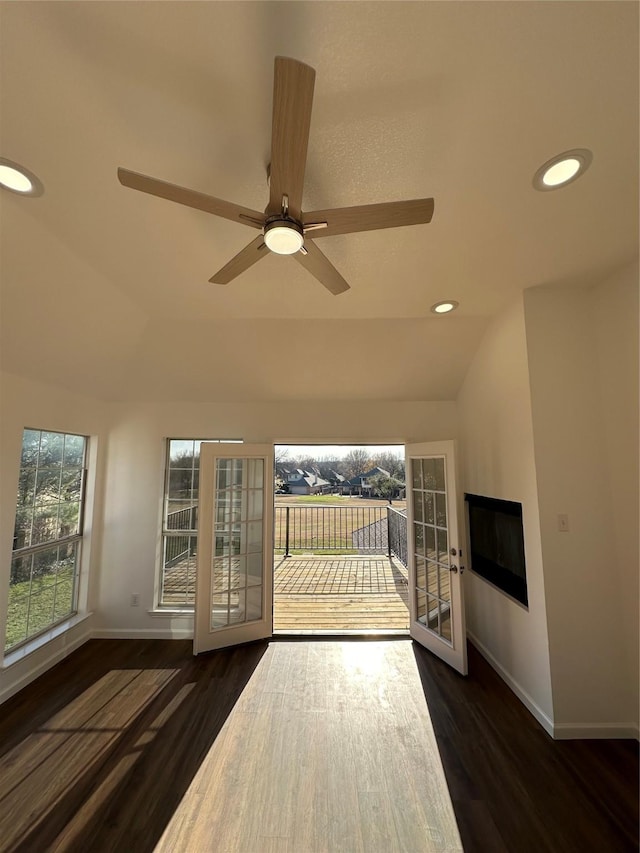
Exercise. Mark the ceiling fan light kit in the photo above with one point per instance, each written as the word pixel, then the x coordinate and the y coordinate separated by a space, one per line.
pixel 286 229
pixel 283 237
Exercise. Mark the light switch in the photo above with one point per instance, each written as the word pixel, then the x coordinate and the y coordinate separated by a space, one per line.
pixel 563 523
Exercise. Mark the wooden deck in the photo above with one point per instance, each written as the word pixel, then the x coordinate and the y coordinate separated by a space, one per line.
pixel 340 595
pixel 326 595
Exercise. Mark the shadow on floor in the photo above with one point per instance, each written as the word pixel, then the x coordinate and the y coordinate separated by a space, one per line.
pixel 512 786
pixel 104 764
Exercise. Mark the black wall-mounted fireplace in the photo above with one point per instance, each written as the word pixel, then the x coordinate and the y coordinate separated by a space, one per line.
pixel 497 544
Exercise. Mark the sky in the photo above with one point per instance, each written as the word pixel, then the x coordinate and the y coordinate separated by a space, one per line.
pixel 335 451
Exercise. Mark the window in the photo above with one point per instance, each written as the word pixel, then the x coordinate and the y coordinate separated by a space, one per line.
pixel 180 522
pixel 43 586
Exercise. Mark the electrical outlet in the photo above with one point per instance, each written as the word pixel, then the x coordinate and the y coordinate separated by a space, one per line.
pixel 563 523
pixel 135 599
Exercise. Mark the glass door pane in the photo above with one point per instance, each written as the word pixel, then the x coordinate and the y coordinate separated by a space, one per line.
pixel 239 497
pixel 435 569
pixel 235 553
pixel 430 544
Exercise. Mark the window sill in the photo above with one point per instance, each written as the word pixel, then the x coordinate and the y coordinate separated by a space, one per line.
pixel 168 613
pixel 31 646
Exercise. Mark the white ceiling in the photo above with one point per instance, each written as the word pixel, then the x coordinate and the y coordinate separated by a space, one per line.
pixel 106 290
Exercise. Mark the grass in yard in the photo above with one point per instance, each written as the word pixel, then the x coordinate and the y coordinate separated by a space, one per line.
pixel 316 529
pixel 298 552
pixel 321 499
pixel 51 600
pixel 336 500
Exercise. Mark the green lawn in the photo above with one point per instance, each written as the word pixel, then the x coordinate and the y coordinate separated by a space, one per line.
pixel 296 552
pixel 336 500
pixel 314 527
pixel 321 499
pixel 51 600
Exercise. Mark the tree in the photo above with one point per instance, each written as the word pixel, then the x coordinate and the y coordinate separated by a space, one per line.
pixel 49 493
pixel 308 463
pixel 181 475
pixel 391 462
pixel 384 487
pixel 282 455
pixel 356 462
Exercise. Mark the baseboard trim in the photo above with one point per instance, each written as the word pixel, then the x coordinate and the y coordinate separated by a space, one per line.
pixel 601 731
pixel 558 731
pixel 50 661
pixel 142 634
pixel 545 721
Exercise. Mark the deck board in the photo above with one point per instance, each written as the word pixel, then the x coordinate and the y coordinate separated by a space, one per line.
pixel 340 594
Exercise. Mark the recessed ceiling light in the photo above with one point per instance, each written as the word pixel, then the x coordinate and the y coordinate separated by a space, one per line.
pixel 17 179
pixel 562 169
pixel 444 307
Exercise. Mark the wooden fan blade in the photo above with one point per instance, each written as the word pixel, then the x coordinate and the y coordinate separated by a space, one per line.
pixel 242 261
pixel 191 198
pixel 292 101
pixel 370 217
pixel 322 268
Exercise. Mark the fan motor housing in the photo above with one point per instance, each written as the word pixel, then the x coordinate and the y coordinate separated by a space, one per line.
pixel 283 236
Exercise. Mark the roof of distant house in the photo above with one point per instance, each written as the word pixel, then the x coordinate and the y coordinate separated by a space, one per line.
pixel 374 472
pixel 307 478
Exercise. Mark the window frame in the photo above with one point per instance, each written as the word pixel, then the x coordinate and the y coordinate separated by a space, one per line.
pixel 55 544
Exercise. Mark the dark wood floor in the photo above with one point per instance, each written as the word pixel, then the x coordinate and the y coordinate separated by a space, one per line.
pixel 513 787
pixel 99 753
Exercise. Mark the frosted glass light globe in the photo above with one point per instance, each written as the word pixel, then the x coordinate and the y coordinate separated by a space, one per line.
pixel 283 239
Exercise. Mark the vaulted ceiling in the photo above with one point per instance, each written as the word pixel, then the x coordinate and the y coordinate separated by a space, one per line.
pixel 106 290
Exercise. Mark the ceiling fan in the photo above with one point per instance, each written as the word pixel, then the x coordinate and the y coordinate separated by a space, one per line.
pixel 284 228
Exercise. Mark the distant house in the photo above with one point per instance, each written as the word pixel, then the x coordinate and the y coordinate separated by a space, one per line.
pixel 360 485
pixel 337 481
pixel 302 482
pixel 327 470
pixel 340 483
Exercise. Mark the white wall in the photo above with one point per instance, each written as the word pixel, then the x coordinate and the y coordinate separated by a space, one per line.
pixel 615 308
pixel 135 470
pixel 582 349
pixel 24 403
pixel 497 456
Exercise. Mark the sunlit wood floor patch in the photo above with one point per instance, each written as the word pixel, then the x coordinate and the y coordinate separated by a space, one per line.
pixel 330 747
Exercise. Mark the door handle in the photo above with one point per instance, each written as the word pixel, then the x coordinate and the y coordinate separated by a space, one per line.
pixel 453 568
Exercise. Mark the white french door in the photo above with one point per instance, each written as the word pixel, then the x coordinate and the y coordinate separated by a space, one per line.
pixel 436 602
pixel 234 583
